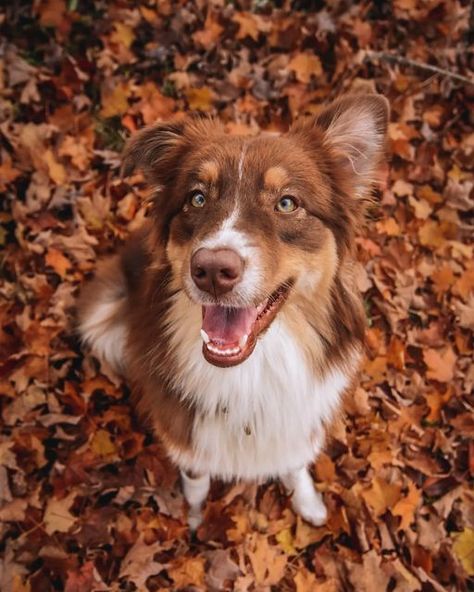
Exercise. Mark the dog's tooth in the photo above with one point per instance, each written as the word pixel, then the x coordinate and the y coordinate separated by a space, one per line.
pixel 205 336
pixel 243 341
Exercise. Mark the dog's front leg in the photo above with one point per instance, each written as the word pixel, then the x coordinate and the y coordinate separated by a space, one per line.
pixel 195 489
pixel 306 500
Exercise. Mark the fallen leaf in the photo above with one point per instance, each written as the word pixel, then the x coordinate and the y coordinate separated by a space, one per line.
pixel 440 364
pixel 305 66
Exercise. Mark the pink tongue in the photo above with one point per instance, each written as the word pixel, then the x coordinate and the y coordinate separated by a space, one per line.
pixel 227 325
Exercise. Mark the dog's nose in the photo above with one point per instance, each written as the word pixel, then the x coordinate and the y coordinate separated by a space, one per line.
pixel 216 271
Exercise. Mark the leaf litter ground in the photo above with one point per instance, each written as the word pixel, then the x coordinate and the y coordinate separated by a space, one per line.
pixel 88 500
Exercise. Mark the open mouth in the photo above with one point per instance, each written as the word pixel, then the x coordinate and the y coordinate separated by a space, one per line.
pixel 230 334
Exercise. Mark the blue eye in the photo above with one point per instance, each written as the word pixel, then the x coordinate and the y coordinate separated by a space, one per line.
pixel 198 200
pixel 286 204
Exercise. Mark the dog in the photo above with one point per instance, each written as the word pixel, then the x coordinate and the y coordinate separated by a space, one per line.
pixel 234 311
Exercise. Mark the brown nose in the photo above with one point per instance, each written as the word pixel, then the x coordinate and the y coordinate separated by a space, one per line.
pixel 216 271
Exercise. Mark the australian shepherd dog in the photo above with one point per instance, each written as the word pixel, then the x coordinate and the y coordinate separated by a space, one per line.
pixel 234 312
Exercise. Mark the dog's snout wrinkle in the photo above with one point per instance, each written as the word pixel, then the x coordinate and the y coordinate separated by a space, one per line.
pixel 216 271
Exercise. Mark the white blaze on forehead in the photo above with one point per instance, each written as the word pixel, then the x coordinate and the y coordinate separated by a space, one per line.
pixel 241 161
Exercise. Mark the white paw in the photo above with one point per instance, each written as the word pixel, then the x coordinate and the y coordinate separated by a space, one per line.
pixel 312 510
pixel 194 518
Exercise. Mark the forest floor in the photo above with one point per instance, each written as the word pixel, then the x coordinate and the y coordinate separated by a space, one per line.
pixel 88 501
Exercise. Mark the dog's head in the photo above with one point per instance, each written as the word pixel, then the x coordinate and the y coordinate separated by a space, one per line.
pixel 248 222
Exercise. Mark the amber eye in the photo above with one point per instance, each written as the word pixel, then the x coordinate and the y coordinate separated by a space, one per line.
pixel 198 200
pixel 286 204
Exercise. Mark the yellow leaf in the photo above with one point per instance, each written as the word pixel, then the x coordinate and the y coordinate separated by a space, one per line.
pixel 426 192
pixel 114 99
pixel 431 234
pixel 285 539
pixel 102 444
pixel 187 572
pixel 406 507
pixel 380 495
pixel 305 65
pixel 200 99
pixel 56 170
pixel 123 34
pixel 388 226
pixel 421 207
pixel 463 546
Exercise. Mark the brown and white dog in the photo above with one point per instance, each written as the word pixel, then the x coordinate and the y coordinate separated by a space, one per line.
pixel 234 312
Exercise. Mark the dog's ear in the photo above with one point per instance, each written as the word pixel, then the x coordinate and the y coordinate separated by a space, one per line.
pixel 354 129
pixel 154 150
pixel 158 150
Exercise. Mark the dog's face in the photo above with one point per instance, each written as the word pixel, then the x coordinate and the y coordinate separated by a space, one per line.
pixel 249 222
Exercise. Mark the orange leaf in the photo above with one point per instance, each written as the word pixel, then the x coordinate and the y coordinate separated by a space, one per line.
pixel 200 99
pixel 59 262
pixel 305 65
pixel 440 365
pixel 406 507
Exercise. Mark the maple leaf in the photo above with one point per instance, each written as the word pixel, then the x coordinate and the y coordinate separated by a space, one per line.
pixel 440 364
pixel 463 546
pixel 305 66
pixel 380 496
pixel 250 25
pixel 406 506
pixel 187 571
pixel 211 32
pixel 268 563
pixel 57 517
pixel 200 99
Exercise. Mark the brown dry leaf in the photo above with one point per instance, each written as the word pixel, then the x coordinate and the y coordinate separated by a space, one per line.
pixel 59 262
pixel 380 496
pixel 388 226
pixel 369 576
pixel 211 32
pixel 122 35
pixel 443 278
pixel 306 534
pixel 305 66
pixel 56 170
pixel 57 517
pixel 187 572
pixel 250 25
pixel 114 99
pixel 268 562
pixel 305 581
pixel 200 99
pixel 440 364
pixel 465 284
pixel 102 444
pixel 407 506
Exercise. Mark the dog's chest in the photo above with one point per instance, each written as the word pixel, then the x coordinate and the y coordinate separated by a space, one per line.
pixel 259 419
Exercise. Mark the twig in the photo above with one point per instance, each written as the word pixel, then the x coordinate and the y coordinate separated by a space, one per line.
pixel 389 57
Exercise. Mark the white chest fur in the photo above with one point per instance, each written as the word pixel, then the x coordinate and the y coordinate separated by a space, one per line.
pixel 262 418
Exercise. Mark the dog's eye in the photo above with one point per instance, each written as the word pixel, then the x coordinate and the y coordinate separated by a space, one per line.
pixel 198 200
pixel 286 204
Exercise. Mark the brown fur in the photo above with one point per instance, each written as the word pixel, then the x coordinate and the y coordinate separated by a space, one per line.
pixel 308 162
